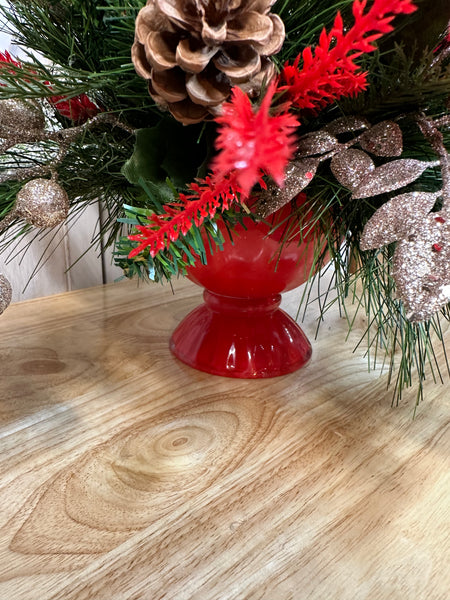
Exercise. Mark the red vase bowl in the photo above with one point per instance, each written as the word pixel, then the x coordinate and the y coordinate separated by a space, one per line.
pixel 239 330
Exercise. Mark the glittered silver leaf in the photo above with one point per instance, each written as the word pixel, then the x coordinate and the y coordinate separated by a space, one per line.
pixel 398 218
pixel 298 175
pixel 351 166
pixel 5 293
pixel 317 142
pixel 391 176
pixel 421 267
pixel 346 124
pixel 383 139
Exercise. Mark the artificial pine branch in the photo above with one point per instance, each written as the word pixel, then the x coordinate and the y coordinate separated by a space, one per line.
pixel 63 138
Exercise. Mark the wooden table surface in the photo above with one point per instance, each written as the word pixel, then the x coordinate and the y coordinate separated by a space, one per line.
pixel 127 475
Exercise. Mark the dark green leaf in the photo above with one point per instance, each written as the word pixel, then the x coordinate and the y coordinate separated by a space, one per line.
pixel 166 150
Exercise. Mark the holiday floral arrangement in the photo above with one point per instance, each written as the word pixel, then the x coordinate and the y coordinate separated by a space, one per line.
pixel 178 114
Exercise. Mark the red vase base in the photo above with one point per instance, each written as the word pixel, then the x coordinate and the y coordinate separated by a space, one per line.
pixel 242 338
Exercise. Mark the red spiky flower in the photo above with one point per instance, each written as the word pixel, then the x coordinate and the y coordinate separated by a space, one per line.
pixel 78 109
pixel 5 57
pixel 253 143
pixel 206 197
pixel 329 72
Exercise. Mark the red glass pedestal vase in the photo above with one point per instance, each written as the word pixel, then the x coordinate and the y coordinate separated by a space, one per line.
pixel 240 331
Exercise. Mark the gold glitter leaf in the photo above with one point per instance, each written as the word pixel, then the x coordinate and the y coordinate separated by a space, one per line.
pixel 421 262
pixel 421 267
pixel 351 166
pixel 397 218
pixel 5 293
pixel 298 175
pixel 383 139
pixel 347 124
pixel 391 176
pixel 18 116
pixel 318 142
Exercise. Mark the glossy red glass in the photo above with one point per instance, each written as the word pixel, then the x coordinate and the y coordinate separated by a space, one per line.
pixel 240 331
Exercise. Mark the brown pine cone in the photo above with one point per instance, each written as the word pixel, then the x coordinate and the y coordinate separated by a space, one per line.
pixel 193 51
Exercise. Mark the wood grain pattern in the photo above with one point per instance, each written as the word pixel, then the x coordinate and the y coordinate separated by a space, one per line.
pixel 127 475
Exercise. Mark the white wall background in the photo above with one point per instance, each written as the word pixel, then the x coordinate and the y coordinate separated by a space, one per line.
pixel 44 268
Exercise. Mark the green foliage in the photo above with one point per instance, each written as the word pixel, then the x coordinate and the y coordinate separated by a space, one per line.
pixel 156 156
pixel 186 251
pixel 88 49
pixel 81 46
pixel 304 21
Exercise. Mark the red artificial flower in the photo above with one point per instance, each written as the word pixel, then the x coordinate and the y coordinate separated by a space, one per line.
pixel 253 143
pixel 329 72
pixel 209 195
pixel 5 57
pixel 78 109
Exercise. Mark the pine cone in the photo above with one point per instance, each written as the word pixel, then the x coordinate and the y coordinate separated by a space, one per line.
pixel 193 51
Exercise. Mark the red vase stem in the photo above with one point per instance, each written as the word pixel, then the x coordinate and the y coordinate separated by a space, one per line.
pixel 240 331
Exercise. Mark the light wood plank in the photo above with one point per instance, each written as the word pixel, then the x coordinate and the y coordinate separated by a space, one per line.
pixel 127 475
